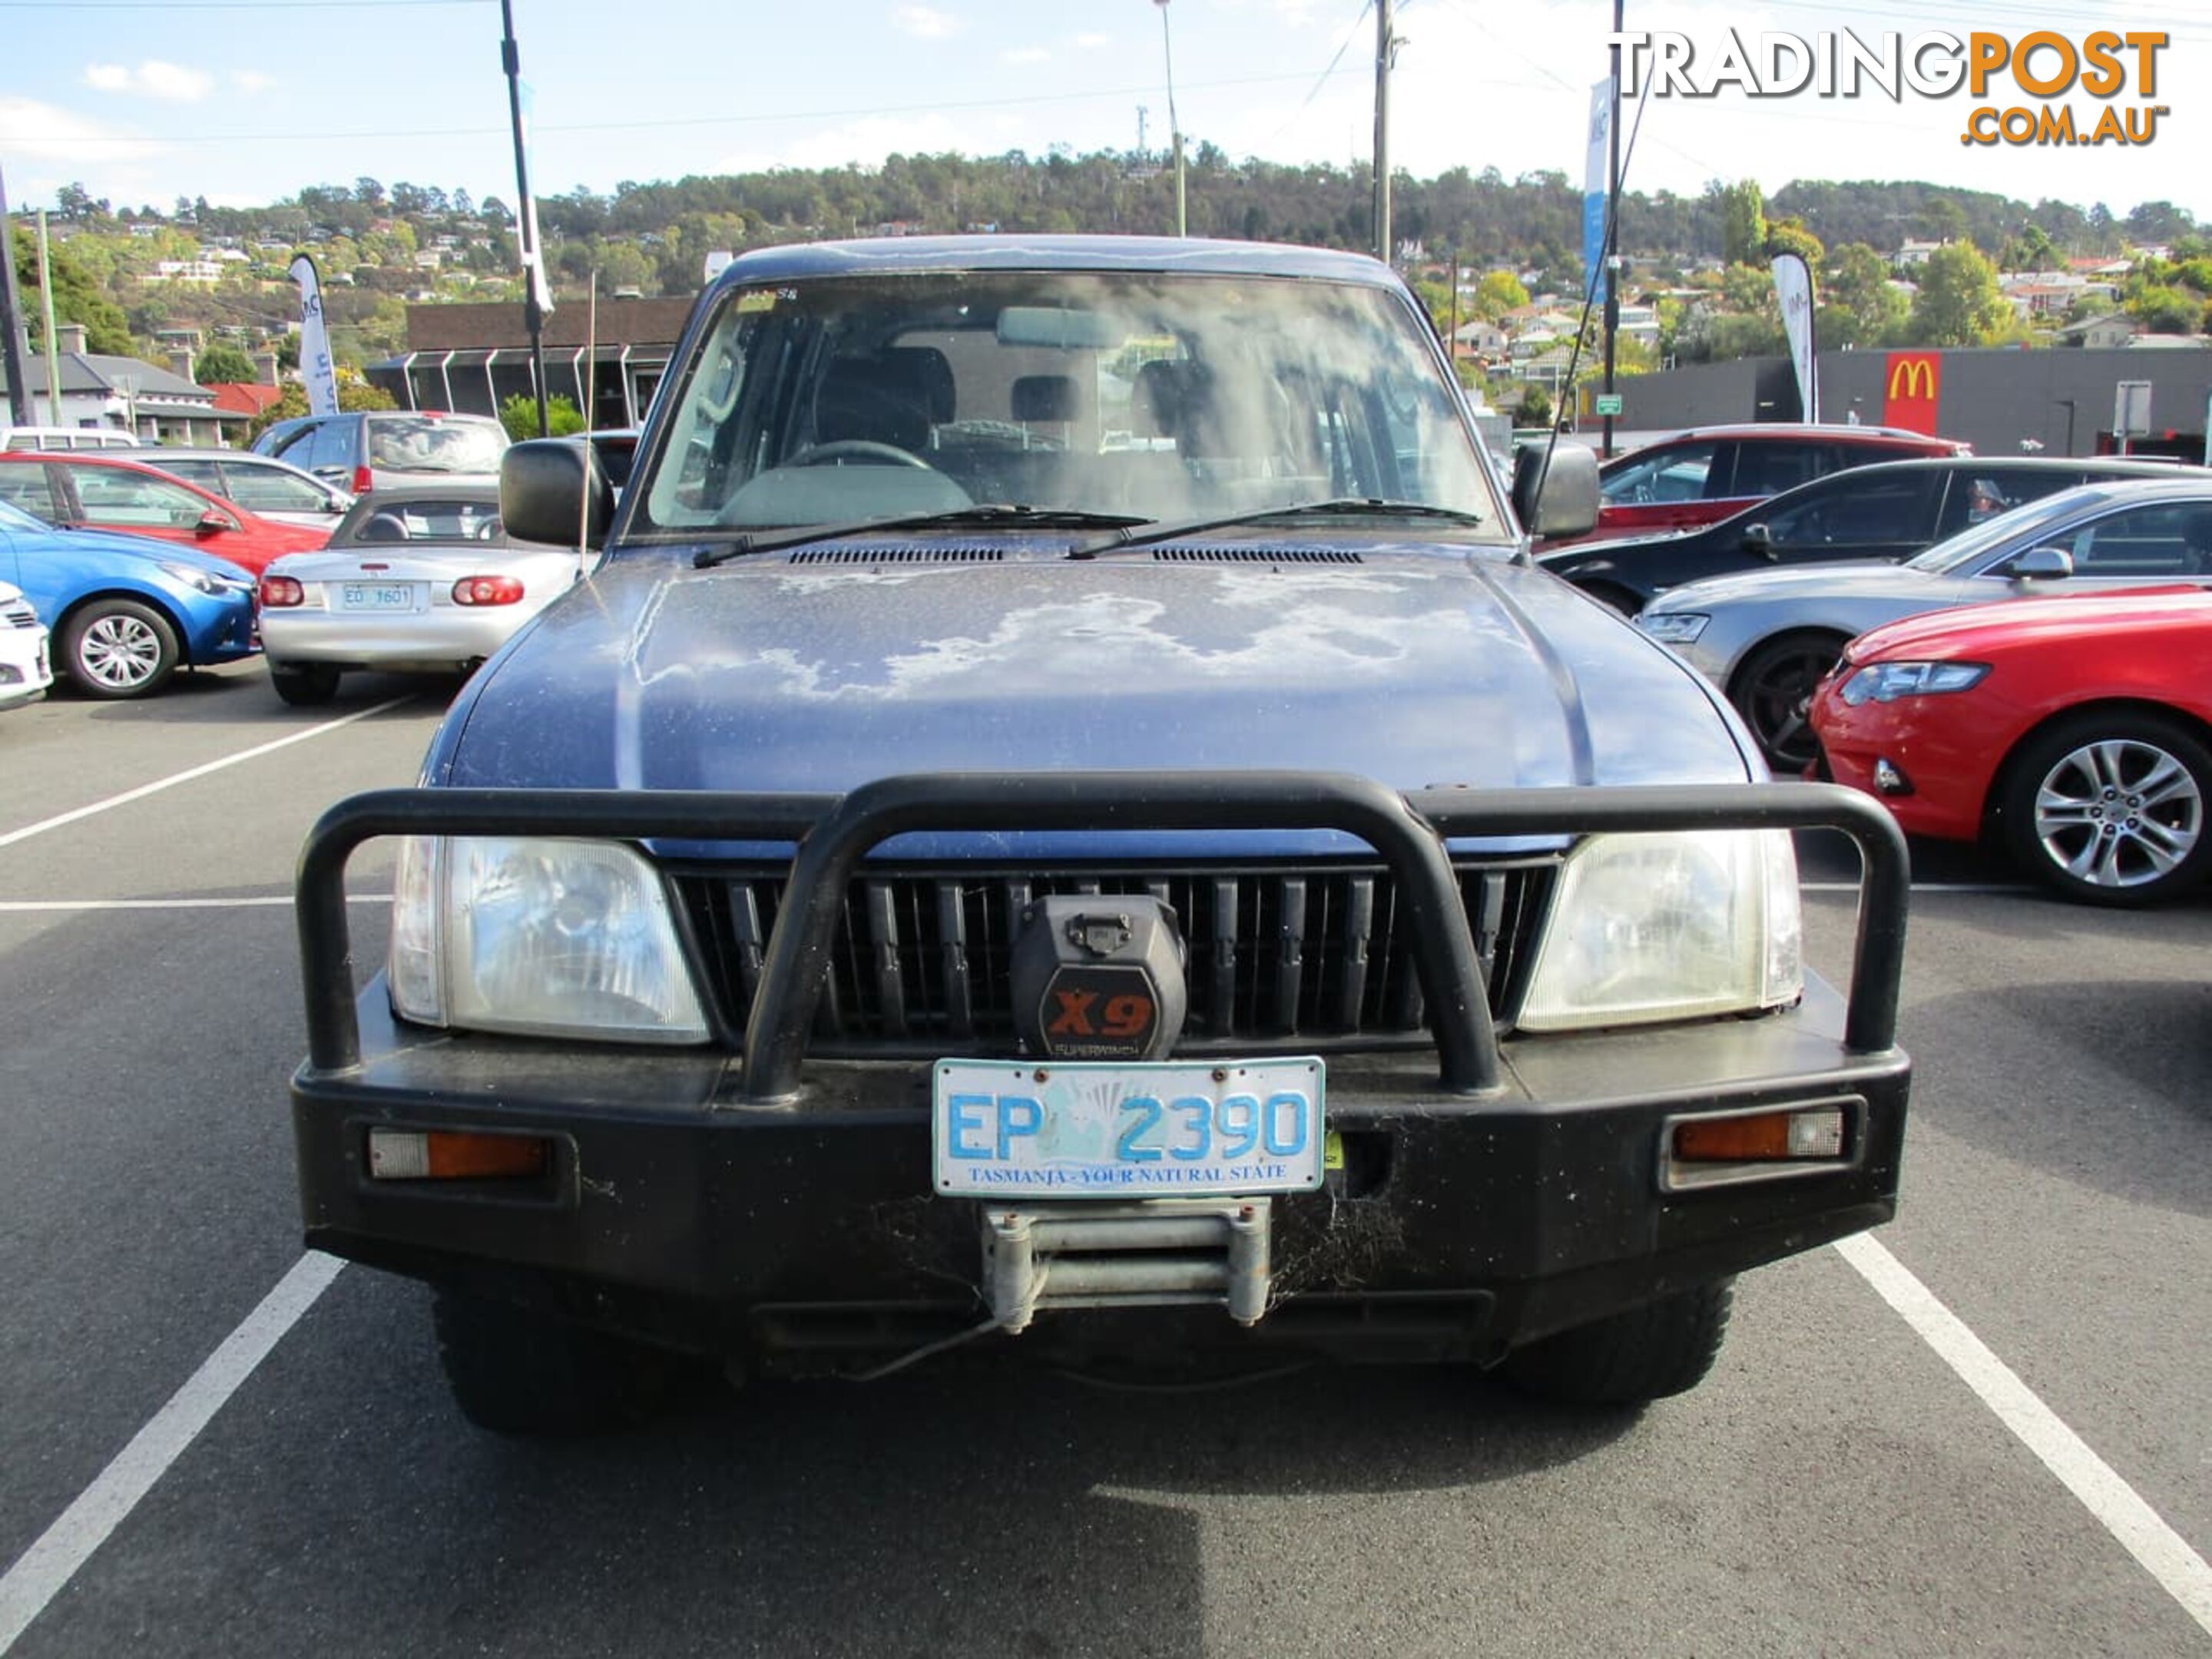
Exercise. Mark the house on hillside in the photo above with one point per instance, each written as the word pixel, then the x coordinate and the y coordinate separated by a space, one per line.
pixel 123 393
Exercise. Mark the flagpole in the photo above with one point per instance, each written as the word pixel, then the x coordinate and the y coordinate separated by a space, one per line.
pixel 1613 235
pixel 526 221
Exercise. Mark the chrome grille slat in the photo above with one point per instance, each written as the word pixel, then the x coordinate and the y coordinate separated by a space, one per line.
pixel 1313 955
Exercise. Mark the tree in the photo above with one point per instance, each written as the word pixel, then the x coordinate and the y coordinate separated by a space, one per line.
pixel 2030 250
pixel 1959 304
pixel 77 299
pixel 221 363
pixel 518 414
pixel 1497 293
pixel 1534 407
pixel 1743 222
pixel 1791 236
pixel 1859 286
pixel 2163 309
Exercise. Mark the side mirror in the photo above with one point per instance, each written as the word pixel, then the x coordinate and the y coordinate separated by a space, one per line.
pixel 1557 500
pixel 213 523
pixel 1758 538
pixel 555 490
pixel 2042 564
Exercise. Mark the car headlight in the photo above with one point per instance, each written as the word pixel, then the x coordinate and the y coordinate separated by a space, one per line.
pixel 545 937
pixel 1648 927
pixel 1673 627
pixel 1886 682
pixel 205 581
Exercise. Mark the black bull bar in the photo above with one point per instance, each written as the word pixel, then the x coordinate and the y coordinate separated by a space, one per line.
pixel 834 833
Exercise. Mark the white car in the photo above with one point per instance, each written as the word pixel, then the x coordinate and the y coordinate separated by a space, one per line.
pixel 26 669
pixel 415 579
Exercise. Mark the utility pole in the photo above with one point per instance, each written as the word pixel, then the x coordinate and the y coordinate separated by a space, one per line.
pixel 11 320
pixel 1385 47
pixel 1613 235
pixel 525 221
pixel 1174 122
pixel 53 342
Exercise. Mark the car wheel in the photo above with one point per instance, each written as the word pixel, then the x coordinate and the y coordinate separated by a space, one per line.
pixel 304 684
pixel 1773 692
pixel 516 1372
pixel 2109 808
pixel 1644 1353
pixel 119 648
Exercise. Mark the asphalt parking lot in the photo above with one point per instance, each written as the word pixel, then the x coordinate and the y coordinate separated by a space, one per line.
pixel 1989 1430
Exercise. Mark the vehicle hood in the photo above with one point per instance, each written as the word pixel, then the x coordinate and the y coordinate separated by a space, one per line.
pixel 107 545
pixel 1840 580
pixel 1414 668
pixel 1977 631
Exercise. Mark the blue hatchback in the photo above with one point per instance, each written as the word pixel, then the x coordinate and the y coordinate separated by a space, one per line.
pixel 126 611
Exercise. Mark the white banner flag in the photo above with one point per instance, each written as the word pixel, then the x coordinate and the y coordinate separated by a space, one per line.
pixel 315 340
pixel 1793 291
pixel 533 251
pixel 1597 173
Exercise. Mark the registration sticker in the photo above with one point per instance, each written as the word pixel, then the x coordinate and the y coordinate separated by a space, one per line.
pixel 1188 1128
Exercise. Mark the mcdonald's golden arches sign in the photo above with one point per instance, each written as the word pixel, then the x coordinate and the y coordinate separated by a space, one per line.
pixel 1912 382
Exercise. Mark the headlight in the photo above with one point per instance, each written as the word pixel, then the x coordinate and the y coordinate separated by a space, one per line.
pixel 554 938
pixel 1648 928
pixel 1673 627
pixel 205 580
pixel 1886 682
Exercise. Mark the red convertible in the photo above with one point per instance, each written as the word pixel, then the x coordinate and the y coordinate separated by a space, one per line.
pixel 2076 732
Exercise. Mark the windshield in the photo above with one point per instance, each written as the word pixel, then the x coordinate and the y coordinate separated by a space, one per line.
pixel 1968 546
pixel 1149 396
pixel 424 443
pixel 13 517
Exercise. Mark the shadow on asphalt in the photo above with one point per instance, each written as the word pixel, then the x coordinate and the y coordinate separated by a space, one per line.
pixel 928 1514
pixel 242 692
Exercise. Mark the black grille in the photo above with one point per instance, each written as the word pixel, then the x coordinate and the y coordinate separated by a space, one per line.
pixel 19 615
pixel 1313 958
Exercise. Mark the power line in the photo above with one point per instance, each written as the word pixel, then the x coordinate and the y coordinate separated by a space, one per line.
pixel 1321 80
pixel 725 120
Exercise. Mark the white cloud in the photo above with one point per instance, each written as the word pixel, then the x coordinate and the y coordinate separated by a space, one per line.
pixel 251 80
pixel 868 141
pixel 43 132
pixel 151 79
pixel 1093 42
pixel 1015 56
pixel 927 23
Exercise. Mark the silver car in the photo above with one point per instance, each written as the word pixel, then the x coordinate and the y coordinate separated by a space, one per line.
pixel 1767 637
pixel 418 580
pixel 263 486
pixel 375 449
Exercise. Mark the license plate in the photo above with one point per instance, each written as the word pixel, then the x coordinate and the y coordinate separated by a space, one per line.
pixel 376 596
pixel 1138 1130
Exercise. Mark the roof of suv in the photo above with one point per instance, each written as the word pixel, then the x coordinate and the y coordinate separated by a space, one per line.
pixel 909 254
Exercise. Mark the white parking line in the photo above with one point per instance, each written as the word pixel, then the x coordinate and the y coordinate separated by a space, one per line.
pixel 175 778
pixel 42 1570
pixel 2162 1552
pixel 1923 887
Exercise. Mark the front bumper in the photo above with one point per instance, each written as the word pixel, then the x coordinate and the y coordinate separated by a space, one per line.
pixel 759 1207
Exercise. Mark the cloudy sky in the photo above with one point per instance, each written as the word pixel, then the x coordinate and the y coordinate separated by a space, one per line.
pixel 246 100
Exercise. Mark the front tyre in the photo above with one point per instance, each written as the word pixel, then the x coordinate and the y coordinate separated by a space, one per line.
pixel 2108 807
pixel 1627 1358
pixel 304 685
pixel 117 648
pixel 515 1372
pixel 1773 692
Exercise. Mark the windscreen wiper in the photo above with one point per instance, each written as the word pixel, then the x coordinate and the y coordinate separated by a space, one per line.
pixel 984 514
pixel 1341 507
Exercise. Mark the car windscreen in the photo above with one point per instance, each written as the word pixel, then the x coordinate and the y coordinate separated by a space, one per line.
pixel 1968 546
pixel 422 443
pixel 1157 396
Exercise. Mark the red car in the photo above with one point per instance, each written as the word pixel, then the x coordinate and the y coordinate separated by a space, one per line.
pixel 2076 732
pixel 105 492
pixel 1705 475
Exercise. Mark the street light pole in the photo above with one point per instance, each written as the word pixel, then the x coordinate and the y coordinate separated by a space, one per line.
pixel 526 219
pixel 1174 122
